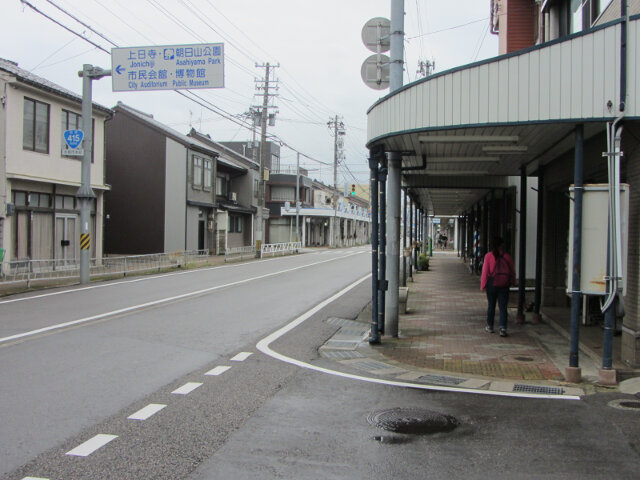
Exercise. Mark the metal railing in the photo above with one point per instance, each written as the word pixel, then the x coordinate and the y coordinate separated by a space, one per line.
pixel 26 270
pixel 280 248
pixel 239 253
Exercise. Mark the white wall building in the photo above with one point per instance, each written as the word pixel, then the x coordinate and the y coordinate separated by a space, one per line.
pixel 39 214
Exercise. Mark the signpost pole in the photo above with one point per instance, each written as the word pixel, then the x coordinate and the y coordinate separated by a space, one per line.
pixel 85 193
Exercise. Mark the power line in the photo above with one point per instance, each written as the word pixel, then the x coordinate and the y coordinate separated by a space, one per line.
pixel 50 2
pixel 448 28
pixel 25 2
pixel 189 95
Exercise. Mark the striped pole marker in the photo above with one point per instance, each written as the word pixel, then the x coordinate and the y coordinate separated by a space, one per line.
pixel 85 241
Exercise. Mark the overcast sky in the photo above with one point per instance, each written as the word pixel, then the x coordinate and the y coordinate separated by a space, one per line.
pixel 317 44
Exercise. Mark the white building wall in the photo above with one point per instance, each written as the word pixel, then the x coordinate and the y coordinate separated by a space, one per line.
pixel 49 167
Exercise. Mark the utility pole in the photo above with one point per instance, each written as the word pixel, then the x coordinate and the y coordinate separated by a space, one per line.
pixel 337 125
pixel 425 68
pixel 263 85
pixel 394 166
pixel 297 196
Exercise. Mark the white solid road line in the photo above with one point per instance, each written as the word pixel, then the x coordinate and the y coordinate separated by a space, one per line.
pixel 163 300
pixel 241 357
pixel 263 346
pixel 87 448
pixel 187 388
pixel 218 370
pixel 147 278
pixel 147 411
pixel 34 478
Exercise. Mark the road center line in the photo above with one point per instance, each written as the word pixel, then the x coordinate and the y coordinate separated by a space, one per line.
pixel 147 411
pixel 218 370
pixel 87 448
pixel 263 346
pixel 187 388
pixel 241 357
pixel 163 300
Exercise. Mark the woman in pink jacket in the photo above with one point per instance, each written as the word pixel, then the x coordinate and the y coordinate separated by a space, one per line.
pixel 498 274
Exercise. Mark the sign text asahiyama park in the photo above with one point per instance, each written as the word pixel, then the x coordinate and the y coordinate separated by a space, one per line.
pixel 167 67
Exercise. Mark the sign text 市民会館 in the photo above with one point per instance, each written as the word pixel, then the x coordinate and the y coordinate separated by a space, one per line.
pixel 168 67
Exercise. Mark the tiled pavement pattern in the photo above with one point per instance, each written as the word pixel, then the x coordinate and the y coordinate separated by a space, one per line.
pixel 443 329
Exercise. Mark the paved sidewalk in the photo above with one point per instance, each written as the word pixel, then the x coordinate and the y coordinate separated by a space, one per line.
pixel 444 329
pixel 442 340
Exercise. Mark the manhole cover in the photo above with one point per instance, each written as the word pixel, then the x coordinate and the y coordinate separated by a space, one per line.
pixel 625 405
pixel 412 420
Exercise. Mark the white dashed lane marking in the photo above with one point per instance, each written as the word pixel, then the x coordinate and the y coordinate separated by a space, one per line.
pixel 34 478
pixel 218 370
pixel 187 388
pixel 87 448
pixel 147 411
pixel 241 357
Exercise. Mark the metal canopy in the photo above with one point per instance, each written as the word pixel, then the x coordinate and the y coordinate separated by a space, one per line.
pixel 451 169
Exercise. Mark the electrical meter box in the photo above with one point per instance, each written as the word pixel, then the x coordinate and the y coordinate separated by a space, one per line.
pixel 595 222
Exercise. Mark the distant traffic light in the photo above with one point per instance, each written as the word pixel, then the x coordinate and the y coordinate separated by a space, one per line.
pixel 353 189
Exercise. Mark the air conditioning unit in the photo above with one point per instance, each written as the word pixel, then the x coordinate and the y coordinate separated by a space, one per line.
pixel 233 197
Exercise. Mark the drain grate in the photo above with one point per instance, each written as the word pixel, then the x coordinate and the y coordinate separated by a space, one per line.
pixel 352 332
pixel 519 387
pixel 343 321
pixel 342 354
pixel 372 365
pixel 412 420
pixel 442 379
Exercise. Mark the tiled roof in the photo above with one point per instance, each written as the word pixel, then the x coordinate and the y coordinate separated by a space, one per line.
pixel 32 79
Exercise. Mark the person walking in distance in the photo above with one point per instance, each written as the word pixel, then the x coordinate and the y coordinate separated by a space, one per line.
pixel 498 274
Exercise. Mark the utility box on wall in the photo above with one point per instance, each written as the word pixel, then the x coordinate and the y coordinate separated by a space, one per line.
pixel 595 221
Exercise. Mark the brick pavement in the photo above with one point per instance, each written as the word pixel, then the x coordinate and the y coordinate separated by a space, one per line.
pixel 443 329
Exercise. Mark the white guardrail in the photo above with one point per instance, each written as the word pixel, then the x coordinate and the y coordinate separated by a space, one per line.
pixel 280 248
pixel 239 253
pixel 28 271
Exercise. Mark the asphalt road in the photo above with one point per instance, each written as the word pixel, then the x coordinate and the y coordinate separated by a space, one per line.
pixel 75 358
pixel 254 416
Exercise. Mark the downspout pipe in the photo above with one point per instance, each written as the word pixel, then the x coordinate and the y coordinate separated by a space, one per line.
pixel 539 239
pixel 623 54
pixel 411 235
pixel 374 337
pixel 522 249
pixel 404 241
pixel 576 297
pixel 382 280
pixel 614 246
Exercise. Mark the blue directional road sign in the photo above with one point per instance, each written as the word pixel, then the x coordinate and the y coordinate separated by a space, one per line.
pixel 73 139
pixel 167 67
